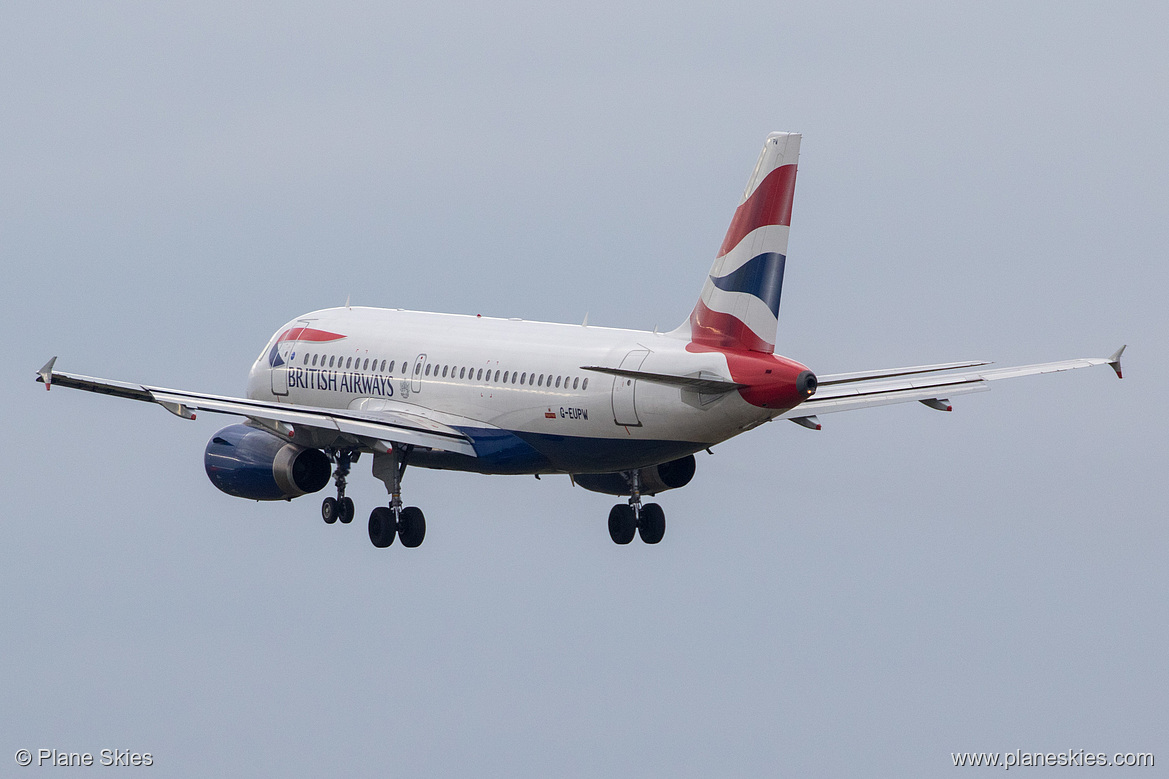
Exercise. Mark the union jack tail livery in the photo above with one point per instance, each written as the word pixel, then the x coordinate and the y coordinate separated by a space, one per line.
pixel 739 306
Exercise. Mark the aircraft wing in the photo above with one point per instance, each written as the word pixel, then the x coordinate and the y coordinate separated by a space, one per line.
pixel 374 429
pixel 932 385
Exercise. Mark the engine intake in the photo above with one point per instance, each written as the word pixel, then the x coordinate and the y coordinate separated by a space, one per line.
pixel 251 463
pixel 654 478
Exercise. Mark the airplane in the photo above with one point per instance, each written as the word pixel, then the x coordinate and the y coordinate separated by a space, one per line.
pixel 622 412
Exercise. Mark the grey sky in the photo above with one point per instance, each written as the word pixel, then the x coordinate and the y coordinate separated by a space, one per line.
pixel 977 181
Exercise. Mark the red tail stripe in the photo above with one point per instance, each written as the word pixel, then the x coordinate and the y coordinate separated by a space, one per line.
pixel 724 331
pixel 769 204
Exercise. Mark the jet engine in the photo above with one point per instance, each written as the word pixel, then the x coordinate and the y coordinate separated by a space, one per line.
pixel 654 478
pixel 251 463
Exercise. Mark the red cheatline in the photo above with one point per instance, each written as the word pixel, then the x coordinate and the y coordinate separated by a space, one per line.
pixel 309 334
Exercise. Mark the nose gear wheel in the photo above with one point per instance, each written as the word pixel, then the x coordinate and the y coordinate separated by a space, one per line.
pixel 339 508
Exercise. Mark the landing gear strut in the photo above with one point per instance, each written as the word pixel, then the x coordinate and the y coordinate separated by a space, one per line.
pixel 626 520
pixel 341 507
pixel 405 522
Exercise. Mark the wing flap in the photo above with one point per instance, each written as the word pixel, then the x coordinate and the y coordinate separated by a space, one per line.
pixel 853 401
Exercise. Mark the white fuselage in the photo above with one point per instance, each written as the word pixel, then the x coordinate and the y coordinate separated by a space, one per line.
pixel 497 379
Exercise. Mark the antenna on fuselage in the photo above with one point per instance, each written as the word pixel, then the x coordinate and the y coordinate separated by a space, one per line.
pixel 585 323
pixel 347 301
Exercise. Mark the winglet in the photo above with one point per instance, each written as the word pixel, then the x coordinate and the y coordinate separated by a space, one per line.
pixel 45 374
pixel 1114 361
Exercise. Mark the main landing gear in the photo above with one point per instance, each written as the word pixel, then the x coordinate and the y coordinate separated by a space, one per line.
pixel 340 507
pixel 648 521
pixel 405 522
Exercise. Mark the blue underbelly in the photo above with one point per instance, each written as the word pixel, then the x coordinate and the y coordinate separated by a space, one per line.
pixel 508 452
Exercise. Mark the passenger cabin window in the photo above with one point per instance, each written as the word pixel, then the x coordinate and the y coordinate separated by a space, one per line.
pixel 585 384
pixel 480 375
pixel 331 358
pixel 391 366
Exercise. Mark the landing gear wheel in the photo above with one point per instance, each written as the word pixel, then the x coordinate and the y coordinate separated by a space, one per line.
pixel 382 527
pixel 653 523
pixel 622 524
pixel 329 510
pixel 345 510
pixel 412 526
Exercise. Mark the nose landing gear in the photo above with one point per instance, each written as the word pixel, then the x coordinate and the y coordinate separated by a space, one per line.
pixel 341 507
pixel 625 521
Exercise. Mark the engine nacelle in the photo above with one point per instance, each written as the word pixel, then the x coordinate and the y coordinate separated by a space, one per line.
pixel 654 478
pixel 251 463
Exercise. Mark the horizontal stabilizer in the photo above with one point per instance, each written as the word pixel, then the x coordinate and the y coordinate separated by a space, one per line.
pixel 696 383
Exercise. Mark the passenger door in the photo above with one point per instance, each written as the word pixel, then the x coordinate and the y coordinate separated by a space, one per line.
pixel 282 354
pixel 625 390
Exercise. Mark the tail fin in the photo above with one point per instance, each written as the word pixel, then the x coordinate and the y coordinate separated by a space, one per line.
pixel 739 306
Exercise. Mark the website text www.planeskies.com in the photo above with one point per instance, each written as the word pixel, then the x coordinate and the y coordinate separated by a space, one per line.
pixel 1071 758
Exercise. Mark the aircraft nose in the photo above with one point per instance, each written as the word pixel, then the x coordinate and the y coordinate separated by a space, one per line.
pixel 254 380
